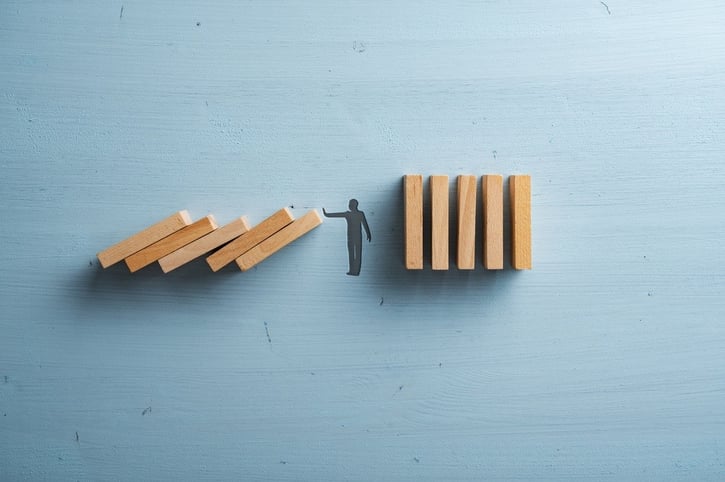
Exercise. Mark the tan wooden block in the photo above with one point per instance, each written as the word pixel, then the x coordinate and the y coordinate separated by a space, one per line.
pixel 279 240
pixel 492 188
pixel 466 222
pixel 250 239
pixel 170 243
pixel 413 193
pixel 203 245
pixel 439 221
pixel 137 242
pixel 520 194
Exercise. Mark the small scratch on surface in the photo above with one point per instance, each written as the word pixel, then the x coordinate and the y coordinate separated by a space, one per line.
pixel 382 300
pixel 146 410
pixel 266 329
pixel 283 462
pixel 609 12
pixel 120 15
pixel 6 378
pixel 417 460
pixel 78 439
pixel 494 154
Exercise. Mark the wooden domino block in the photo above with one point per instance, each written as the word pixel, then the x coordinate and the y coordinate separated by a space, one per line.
pixel 170 243
pixel 413 192
pixel 466 222
pixel 203 245
pixel 492 187
pixel 439 221
pixel 137 242
pixel 279 240
pixel 250 239
pixel 520 194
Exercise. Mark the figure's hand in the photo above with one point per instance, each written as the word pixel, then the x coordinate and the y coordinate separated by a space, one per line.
pixel 324 212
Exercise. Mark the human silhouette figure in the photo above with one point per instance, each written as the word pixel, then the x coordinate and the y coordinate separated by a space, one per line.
pixel 355 222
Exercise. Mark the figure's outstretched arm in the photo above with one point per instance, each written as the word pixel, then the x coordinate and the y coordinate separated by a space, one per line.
pixel 332 215
pixel 367 228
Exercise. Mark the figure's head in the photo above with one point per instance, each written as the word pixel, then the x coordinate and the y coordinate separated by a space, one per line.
pixel 352 205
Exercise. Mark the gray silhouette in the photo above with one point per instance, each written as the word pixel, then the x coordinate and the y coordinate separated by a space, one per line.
pixel 355 222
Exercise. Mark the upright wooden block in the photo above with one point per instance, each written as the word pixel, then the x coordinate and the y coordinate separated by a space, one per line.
pixel 492 187
pixel 520 193
pixel 250 239
pixel 203 245
pixel 413 192
pixel 137 242
pixel 170 243
pixel 439 222
pixel 466 222
pixel 279 240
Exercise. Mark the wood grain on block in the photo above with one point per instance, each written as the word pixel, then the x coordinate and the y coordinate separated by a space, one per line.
pixel 439 222
pixel 492 187
pixel 137 242
pixel 170 243
pixel 466 222
pixel 250 239
pixel 279 240
pixel 520 194
pixel 413 192
pixel 203 245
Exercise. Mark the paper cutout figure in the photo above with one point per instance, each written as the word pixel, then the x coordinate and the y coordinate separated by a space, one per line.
pixel 355 222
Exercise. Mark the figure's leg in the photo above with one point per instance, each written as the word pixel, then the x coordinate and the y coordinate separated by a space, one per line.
pixel 357 260
pixel 351 256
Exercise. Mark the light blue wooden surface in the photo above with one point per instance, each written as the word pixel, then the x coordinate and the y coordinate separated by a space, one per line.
pixel 607 361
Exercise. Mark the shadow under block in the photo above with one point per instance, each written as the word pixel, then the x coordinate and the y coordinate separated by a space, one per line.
pixel 203 245
pixel 170 243
pixel 492 187
pixel 439 221
pixel 413 193
pixel 250 239
pixel 520 193
pixel 137 242
pixel 279 240
pixel 466 258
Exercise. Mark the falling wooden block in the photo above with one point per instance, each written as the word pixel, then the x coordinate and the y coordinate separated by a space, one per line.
pixel 413 192
pixel 492 187
pixel 279 240
pixel 250 239
pixel 203 245
pixel 466 222
pixel 520 194
pixel 170 243
pixel 439 222
pixel 137 242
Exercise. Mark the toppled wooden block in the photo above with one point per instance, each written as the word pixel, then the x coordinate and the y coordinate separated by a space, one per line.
pixel 170 243
pixel 250 239
pixel 413 192
pixel 203 245
pixel 520 194
pixel 466 258
pixel 142 239
pixel 492 187
pixel 279 240
pixel 439 221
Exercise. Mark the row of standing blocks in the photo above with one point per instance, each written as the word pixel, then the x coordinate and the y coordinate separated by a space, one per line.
pixel 493 229
pixel 177 240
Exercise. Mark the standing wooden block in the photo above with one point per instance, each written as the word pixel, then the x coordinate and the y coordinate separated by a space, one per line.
pixel 413 193
pixel 250 239
pixel 466 222
pixel 520 193
pixel 204 244
pixel 142 239
pixel 279 240
pixel 170 243
pixel 492 187
pixel 439 221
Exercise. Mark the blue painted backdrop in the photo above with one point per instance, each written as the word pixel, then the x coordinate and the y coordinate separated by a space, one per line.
pixel 605 361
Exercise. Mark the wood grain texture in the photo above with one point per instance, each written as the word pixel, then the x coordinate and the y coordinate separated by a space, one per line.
pixel 492 192
pixel 520 194
pixel 466 206
pixel 439 221
pixel 413 229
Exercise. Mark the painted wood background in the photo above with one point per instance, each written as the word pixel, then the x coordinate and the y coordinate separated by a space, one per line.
pixel 607 361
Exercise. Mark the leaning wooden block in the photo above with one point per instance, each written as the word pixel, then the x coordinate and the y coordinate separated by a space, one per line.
pixel 492 187
pixel 520 194
pixel 279 240
pixel 250 239
pixel 413 192
pixel 203 245
pixel 127 247
pixel 439 221
pixel 170 243
pixel 466 222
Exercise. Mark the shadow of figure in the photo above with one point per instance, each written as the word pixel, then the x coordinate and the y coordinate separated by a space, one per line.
pixel 355 222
